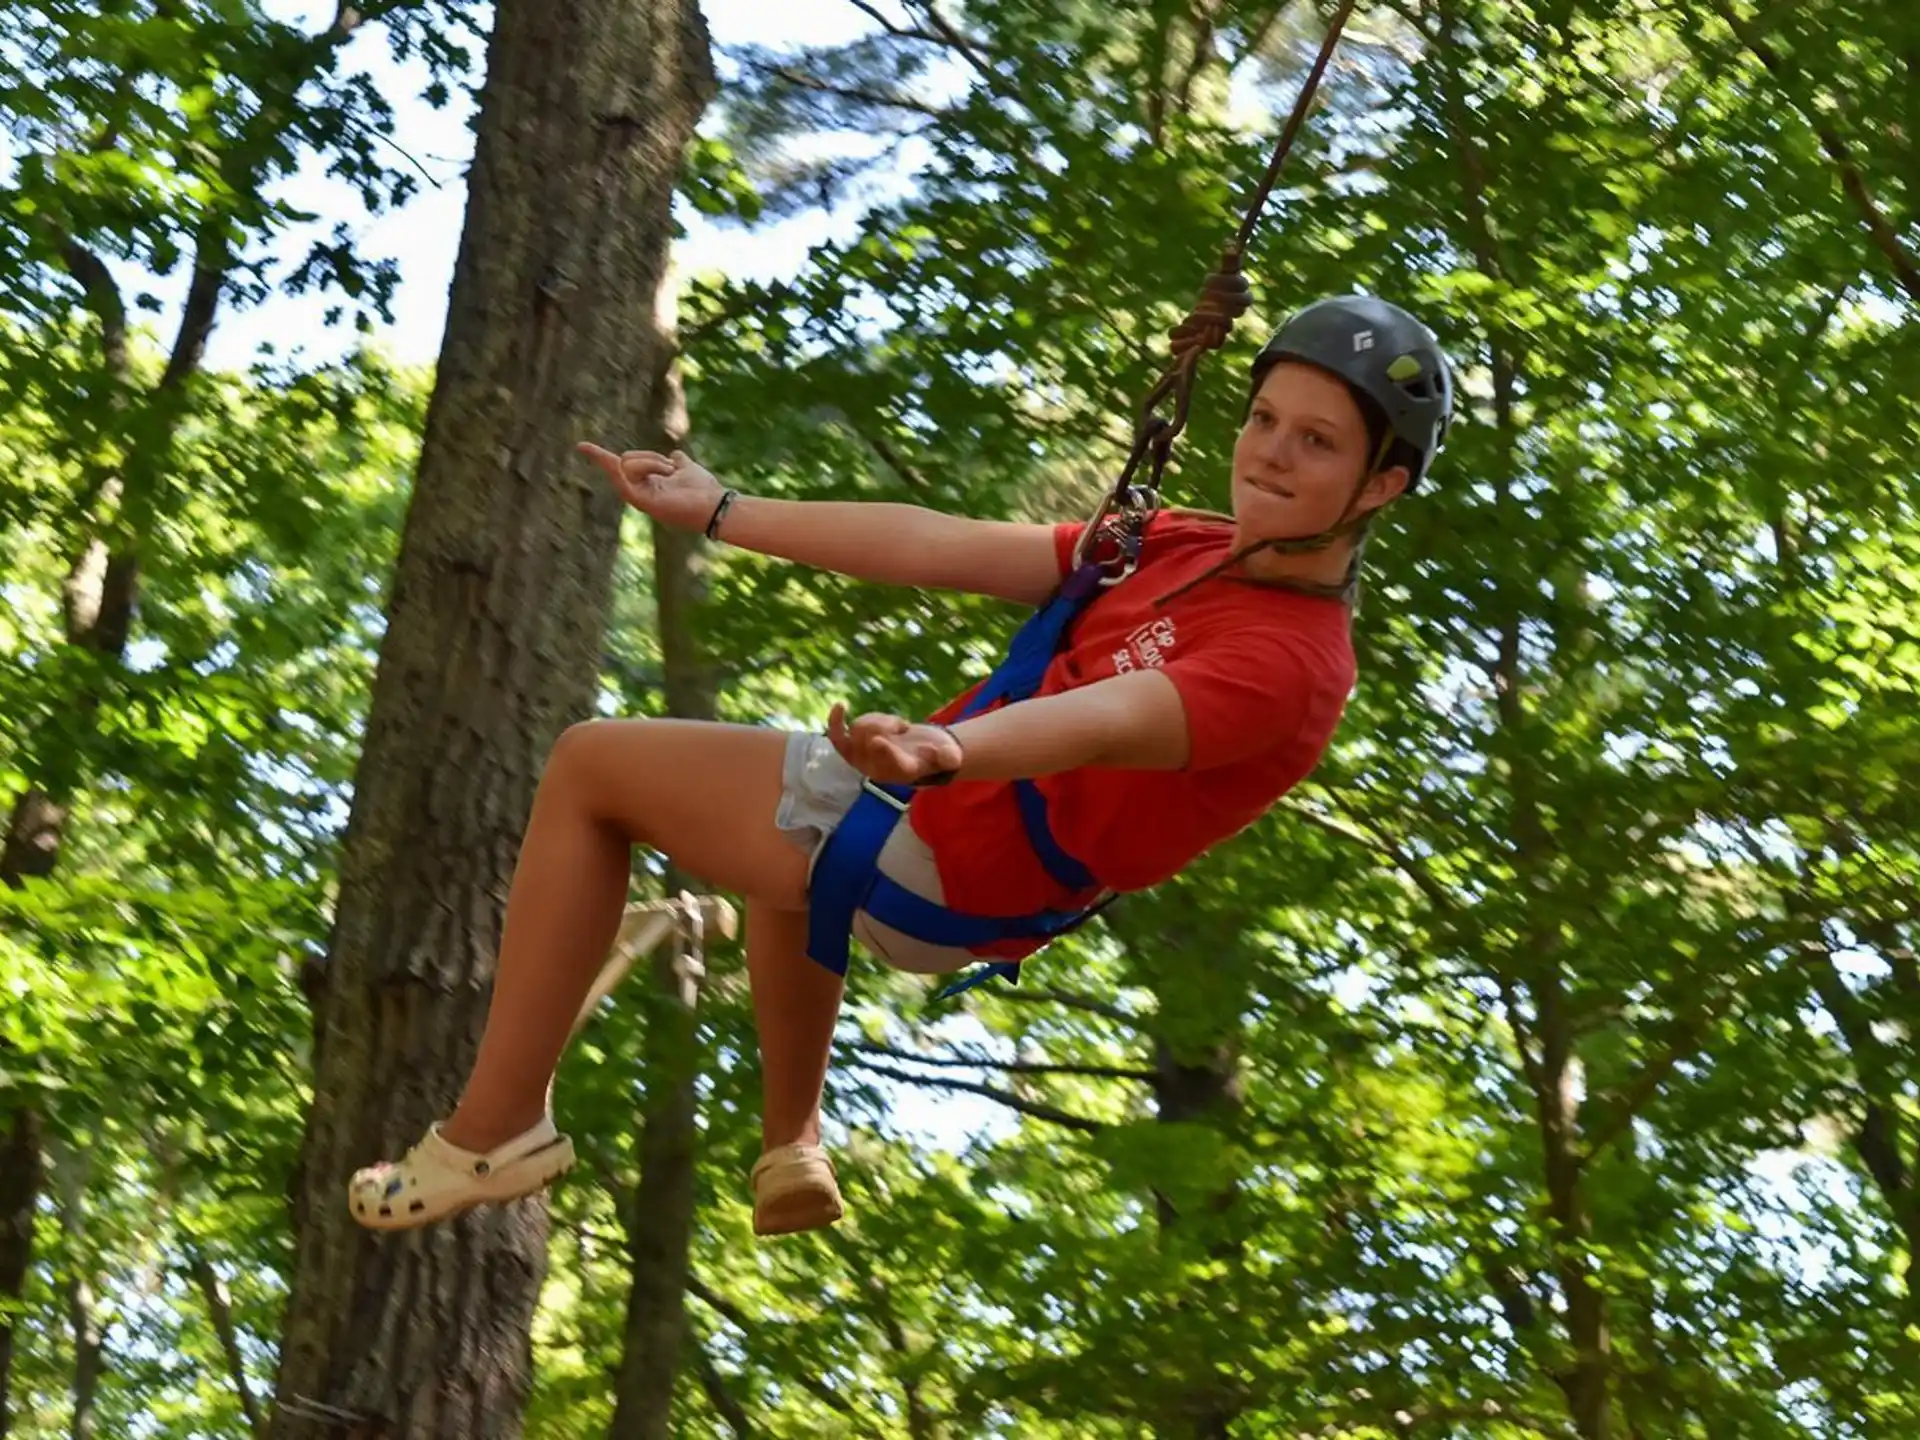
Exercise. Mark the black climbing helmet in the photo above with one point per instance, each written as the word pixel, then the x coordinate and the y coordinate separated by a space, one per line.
pixel 1382 352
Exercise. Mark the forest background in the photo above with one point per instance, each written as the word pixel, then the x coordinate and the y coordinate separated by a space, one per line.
pixel 1544 1067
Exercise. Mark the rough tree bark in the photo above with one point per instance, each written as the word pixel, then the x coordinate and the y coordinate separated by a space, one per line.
pixel 492 647
pixel 21 1175
pixel 660 1230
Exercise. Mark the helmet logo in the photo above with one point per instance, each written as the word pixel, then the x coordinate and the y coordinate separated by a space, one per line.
pixel 1363 341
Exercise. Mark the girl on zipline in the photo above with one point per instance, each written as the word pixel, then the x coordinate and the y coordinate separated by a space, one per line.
pixel 1155 718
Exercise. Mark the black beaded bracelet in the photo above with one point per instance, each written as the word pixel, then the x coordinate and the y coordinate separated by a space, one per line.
pixel 727 497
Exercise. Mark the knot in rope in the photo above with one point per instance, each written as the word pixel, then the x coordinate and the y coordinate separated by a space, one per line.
pixel 1225 296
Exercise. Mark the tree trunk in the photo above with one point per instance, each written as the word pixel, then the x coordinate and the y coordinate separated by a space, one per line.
pixel 89 1355
pixel 660 1235
pixel 660 1231
pixel 492 647
pixel 1202 1089
pixel 1197 1045
pixel 89 1358
pixel 70 1171
pixel 20 1181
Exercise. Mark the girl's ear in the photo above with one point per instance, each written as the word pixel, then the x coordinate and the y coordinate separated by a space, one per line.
pixel 1385 485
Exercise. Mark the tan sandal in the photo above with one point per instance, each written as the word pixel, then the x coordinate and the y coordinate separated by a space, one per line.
pixel 794 1189
pixel 435 1180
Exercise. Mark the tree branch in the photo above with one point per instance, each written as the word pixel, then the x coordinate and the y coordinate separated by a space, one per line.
pixel 1257 41
pixel 1203 14
pixel 1906 267
pixel 1036 1109
pixel 711 1381
pixel 895 461
pixel 221 1313
pixel 920 1421
pixel 1435 892
pixel 718 1303
pixel 735 1317
pixel 1011 1067
pixel 1878 1142
pixel 1870 1059
pixel 801 80
pixel 1621 1109
pixel 346 19
pixel 1522 1034
pixel 212 261
pixel 930 9
pixel 104 299
pixel 908 32
pixel 1072 1001
pixel 885 452
pixel 1511 1287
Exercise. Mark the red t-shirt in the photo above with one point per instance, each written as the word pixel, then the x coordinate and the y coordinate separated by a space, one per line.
pixel 1264 674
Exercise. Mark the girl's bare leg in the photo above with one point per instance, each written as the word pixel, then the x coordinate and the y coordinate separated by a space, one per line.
pixel 704 795
pixel 795 1004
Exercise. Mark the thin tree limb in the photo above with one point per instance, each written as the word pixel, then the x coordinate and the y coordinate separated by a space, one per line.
pixel 907 32
pixel 1072 1001
pixel 1407 864
pixel 715 1385
pixel 1011 1067
pixel 737 1318
pixel 1621 1108
pixel 1522 1034
pixel 1203 13
pixel 1035 1109
pixel 872 12
pixel 930 9
pixel 1906 267
pixel 718 1303
pixel 1416 1418
pixel 887 454
pixel 920 1420
pixel 881 100
pixel 221 1313
pixel 1870 1057
pixel 1257 41
pixel 346 19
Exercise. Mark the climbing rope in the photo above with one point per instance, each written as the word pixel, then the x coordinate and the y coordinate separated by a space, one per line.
pixel 1224 297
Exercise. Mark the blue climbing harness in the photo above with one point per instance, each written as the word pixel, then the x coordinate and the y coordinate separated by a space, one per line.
pixel 846 874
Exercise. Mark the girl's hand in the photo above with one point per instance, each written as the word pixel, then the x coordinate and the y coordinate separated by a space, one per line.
pixel 893 751
pixel 673 489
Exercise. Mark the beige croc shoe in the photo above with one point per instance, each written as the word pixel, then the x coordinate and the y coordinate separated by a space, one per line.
pixel 436 1179
pixel 794 1189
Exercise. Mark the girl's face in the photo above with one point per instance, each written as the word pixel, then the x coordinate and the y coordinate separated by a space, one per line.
pixel 1300 455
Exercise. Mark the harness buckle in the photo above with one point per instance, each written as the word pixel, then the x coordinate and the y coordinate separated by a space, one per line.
pixel 884 795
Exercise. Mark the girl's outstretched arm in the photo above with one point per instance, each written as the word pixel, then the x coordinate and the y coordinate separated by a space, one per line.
pixel 1135 721
pixel 888 544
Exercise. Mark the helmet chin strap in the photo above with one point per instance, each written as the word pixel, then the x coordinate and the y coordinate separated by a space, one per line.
pixel 1348 524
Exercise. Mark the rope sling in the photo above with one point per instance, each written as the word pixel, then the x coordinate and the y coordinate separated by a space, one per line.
pixel 1225 296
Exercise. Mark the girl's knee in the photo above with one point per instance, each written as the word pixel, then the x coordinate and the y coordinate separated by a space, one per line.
pixel 586 748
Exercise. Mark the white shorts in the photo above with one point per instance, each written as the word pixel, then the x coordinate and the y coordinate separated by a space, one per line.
pixel 817 790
